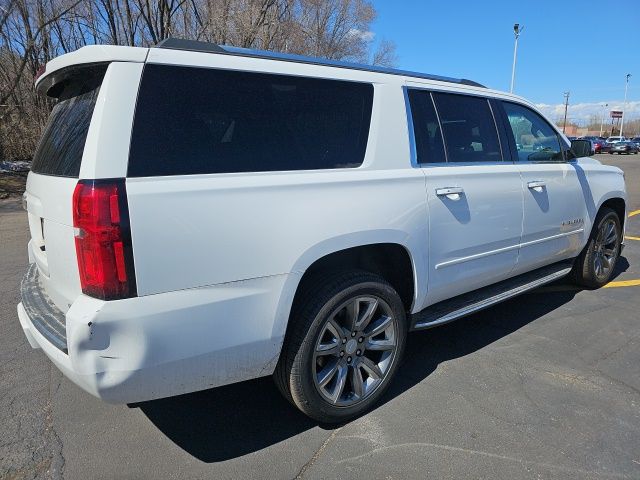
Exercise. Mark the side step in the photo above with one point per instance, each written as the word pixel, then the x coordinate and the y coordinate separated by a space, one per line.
pixel 468 303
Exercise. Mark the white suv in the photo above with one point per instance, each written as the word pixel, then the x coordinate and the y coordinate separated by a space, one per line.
pixel 202 215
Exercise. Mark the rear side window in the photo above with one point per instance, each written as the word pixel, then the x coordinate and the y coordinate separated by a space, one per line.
pixel 469 129
pixel 426 129
pixel 197 120
pixel 60 149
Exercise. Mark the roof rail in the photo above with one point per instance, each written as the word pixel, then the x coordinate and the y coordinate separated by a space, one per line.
pixel 197 46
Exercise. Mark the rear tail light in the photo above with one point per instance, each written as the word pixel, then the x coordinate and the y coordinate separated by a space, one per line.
pixel 103 239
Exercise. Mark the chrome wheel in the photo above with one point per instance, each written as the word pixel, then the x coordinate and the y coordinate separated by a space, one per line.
pixel 354 351
pixel 605 249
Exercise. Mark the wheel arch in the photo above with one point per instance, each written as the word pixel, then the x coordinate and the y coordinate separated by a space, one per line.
pixel 392 261
pixel 618 205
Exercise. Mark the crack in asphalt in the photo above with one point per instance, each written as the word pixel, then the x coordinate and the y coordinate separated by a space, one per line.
pixel 57 467
pixel 317 454
pixel 496 456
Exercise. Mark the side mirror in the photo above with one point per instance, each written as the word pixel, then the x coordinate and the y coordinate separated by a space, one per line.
pixel 582 148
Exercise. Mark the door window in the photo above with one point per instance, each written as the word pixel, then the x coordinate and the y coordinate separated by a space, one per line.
pixel 426 129
pixel 469 129
pixel 535 139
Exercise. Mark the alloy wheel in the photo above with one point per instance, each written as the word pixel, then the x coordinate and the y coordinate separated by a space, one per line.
pixel 355 350
pixel 605 249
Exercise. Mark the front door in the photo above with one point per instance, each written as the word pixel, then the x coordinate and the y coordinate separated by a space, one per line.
pixel 554 205
pixel 474 195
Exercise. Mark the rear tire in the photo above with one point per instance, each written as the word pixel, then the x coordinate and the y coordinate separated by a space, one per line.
pixel 595 265
pixel 332 367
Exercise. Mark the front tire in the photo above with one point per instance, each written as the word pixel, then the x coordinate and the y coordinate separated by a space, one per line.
pixel 595 265
pixel 343 346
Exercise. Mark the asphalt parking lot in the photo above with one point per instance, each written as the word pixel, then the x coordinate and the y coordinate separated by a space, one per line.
pixel 544 386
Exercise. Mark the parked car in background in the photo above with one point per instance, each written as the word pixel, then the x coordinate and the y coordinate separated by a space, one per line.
pixel 616 139
pixel 624 147
pixel 636 140
pixel 201 215
pixel 596 142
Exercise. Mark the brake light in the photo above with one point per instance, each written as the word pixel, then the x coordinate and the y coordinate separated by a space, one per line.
pixel 103 239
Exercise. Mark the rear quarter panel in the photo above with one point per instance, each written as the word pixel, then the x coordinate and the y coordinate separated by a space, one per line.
pixel 209 229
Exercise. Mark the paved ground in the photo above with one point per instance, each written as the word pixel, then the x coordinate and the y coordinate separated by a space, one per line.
pixel 544 386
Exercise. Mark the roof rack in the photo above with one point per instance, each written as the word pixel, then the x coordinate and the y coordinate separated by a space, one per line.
pixel 197 46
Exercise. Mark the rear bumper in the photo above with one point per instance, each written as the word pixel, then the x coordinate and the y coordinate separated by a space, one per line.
pixel 168 344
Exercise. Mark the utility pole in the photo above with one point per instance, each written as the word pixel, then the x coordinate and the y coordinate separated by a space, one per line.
pixel 624 105
pixel 566 106
pixel 604 109
pixel 517 30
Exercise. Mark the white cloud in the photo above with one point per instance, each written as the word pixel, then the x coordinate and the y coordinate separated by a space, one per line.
pixel 366 36
pixel 582 112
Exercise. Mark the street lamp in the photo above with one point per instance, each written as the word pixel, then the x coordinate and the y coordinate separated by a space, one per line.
pixel 517 30
pixel 624 105
pixel 604 109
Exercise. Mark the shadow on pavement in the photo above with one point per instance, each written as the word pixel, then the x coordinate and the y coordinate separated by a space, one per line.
pixel 227 422
pixel 235 420
pixel 622 265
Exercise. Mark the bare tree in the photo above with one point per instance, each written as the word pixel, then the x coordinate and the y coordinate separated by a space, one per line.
pixel 32 32
pixel 385 54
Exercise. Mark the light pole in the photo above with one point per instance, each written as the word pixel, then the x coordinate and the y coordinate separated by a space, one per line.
pixel 517 30
pixel 604 109
pixel 624 105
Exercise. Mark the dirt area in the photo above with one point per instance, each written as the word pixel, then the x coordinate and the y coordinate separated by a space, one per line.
pixel 12 184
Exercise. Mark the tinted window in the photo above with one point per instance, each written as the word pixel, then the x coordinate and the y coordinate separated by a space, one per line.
pixel 535 139
pixel 470 133
pixel 196 120
pixel 426 129
pixel 60 149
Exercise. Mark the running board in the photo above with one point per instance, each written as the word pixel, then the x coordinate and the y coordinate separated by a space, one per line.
pixel 468 303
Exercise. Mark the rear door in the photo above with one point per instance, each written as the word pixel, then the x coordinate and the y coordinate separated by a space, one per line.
pixel 474 195
pixel 554 200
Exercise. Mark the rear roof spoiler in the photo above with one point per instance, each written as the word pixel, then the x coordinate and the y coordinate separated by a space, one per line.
pixel 91 55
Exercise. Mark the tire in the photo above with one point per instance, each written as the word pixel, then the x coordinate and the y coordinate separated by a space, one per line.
pixel 320 340
pixel 595 265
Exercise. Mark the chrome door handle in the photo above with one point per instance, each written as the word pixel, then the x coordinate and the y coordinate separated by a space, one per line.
pixel 449 191
pixel 537 185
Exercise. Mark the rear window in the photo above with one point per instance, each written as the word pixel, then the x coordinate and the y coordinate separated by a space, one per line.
pixel 60 149
pixel 195 120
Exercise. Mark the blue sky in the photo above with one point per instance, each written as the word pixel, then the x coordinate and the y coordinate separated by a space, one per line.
pixel 585 47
